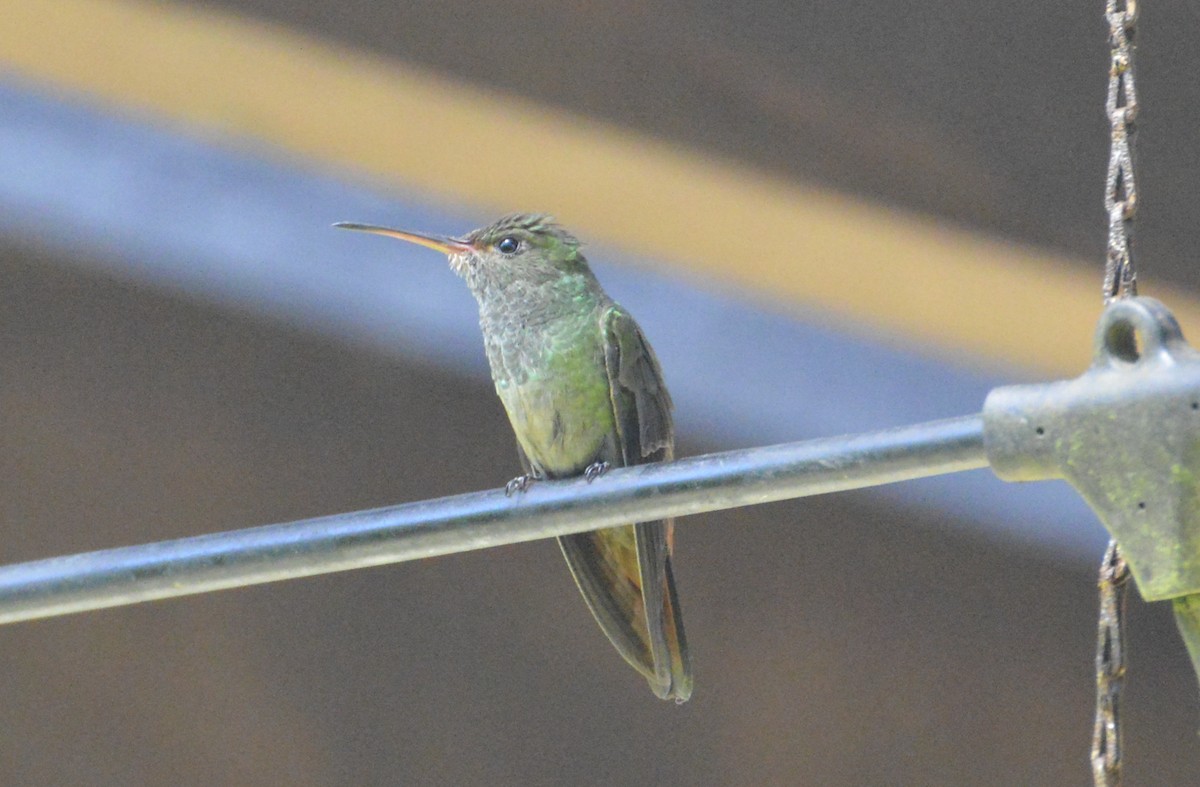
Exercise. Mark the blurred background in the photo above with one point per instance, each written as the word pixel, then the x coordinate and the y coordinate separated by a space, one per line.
pixel 827 216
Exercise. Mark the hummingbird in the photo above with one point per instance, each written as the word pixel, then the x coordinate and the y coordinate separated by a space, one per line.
pixel 583 391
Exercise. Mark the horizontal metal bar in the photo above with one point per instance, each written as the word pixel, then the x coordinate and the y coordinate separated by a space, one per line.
pixel 129 575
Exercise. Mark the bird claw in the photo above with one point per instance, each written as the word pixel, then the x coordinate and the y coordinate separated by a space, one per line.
pixel 595 470
pixel 518 484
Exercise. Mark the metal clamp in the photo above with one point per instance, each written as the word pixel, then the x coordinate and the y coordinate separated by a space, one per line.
pixel 1126 435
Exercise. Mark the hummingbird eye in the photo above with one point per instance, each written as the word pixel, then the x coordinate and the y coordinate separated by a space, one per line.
pixel 508 245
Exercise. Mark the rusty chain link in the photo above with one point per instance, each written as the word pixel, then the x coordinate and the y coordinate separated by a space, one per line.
pixel 1120 194
pixel 1120 281
pixel 1110 669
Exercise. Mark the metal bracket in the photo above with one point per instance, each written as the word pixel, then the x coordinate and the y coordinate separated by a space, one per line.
pixel 1126 435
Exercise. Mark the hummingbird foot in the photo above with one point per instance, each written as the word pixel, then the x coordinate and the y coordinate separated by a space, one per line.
pixel 595 470
pixel 518 484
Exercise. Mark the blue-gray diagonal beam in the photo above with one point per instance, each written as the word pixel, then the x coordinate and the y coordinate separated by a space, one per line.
pixel 250 231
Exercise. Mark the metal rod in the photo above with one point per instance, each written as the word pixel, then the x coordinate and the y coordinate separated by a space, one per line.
pixel 129 575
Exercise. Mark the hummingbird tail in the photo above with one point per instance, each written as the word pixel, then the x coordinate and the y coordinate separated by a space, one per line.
pixel 677 647
pixel 641 619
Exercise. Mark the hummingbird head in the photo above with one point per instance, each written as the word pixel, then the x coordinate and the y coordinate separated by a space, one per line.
pixel 530 248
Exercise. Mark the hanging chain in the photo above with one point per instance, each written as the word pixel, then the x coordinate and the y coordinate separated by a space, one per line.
pixel 1120 281
pixel 1110 669
pixel 1120 193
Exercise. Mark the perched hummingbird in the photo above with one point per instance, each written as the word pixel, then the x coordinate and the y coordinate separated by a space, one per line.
pixel 583 391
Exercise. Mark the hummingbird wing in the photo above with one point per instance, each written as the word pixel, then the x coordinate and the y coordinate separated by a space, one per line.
pixel 625 572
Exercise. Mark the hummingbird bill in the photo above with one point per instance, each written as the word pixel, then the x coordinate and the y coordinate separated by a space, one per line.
pixel 583 391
